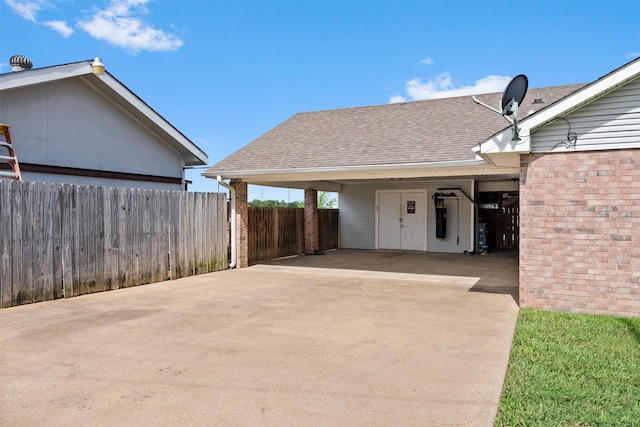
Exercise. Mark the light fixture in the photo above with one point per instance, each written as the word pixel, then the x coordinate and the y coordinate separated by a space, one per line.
pixel 97 67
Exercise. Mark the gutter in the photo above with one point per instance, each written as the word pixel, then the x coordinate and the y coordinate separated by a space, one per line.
pixel 234 224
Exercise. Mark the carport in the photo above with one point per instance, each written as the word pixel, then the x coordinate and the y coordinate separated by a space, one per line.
pixel 339 339
pixel 389 164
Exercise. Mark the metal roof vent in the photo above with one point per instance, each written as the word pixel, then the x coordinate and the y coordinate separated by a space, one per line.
pixel 20 63
pixel 538 100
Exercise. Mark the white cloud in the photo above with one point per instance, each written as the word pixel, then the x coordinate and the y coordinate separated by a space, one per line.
pixel 60 27
pixel 442 86
pixel 427 61
pixel 27 9
pixel 120 24
pixel 632 55
pixel 397 99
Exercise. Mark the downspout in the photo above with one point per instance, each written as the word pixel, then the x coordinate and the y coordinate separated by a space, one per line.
pixel 234 226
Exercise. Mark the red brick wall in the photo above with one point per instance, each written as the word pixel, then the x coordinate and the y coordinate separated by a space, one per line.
pixel 242 222
pixel 580 232
pixel 311 241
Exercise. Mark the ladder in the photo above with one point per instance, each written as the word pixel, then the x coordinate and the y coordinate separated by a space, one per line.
pixel 13 171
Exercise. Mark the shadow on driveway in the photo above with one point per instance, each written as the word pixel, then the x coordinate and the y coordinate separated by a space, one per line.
pixel 493 273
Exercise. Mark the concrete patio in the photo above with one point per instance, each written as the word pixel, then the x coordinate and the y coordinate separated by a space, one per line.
pixel 348 338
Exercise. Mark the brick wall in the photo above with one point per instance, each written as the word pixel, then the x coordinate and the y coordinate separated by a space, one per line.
pixel 242 222
pixel 580 232
pixel 311 241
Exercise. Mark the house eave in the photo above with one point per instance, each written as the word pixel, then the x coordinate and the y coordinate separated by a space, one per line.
pixel 362 172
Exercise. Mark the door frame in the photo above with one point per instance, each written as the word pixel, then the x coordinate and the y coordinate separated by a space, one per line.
pixel 423 191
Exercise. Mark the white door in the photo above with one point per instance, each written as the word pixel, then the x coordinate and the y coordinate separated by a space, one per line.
pixel 389 220
pixel 401 220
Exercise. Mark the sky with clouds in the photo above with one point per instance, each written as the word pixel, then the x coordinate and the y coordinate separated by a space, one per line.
pixel 225 72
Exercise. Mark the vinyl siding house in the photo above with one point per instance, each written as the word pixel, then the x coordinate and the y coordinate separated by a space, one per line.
pixel 69 125
pixel 574 193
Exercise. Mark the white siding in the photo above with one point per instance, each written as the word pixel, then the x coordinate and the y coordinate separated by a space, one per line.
pixel 358 215
pixel 66 123
pixel 459 219
pixel 611 122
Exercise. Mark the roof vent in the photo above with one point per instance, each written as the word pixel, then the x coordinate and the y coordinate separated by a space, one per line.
pixel 538 100
pixel 20 63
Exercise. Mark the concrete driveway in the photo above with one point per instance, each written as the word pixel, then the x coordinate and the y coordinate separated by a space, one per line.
pixel 304 341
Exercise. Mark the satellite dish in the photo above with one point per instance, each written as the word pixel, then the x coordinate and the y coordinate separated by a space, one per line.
pixel 514 94
pixel 511 99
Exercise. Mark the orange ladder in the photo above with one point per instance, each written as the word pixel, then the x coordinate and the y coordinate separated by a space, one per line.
pixel 10 158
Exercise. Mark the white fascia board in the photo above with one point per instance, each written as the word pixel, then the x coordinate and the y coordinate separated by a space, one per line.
pixel 408 170
pixel 19 79
pixel 343 169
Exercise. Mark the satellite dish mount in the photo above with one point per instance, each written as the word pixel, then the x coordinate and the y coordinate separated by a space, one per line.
pixel 511 99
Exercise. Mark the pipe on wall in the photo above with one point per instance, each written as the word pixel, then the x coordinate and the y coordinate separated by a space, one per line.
pixel 234 224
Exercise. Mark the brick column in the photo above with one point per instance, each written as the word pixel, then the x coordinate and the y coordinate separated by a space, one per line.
pixel 242 222
pixel 311 221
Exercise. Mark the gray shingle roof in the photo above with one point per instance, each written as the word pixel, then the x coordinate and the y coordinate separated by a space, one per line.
pixel 437 130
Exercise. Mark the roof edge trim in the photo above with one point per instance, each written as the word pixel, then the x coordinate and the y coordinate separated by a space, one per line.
pixel 360 168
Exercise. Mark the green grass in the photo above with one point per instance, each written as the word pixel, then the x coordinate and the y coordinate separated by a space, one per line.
pixel 572 370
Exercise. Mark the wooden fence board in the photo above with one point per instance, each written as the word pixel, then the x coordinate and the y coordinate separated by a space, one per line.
pixel 57 218
pixel 66 237
pixel 98 247
pixel 328 229
pixel 66 240
pixel 130 233
pixel 6 264
pixel 278 232
pixel 26 295
pixel 108 241
pixel 16 241
pixel 93 224
pixel 42 244
pixel 123 248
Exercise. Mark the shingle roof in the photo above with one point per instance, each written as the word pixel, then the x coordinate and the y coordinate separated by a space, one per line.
pixel 437 130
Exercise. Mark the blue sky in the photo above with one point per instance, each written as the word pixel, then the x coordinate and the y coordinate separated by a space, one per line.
pixel 225 72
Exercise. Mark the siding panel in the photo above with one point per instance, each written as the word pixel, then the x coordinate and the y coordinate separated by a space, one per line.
pixel 358 217
pixel 611 122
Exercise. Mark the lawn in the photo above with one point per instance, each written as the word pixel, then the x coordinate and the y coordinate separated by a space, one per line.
pixel 572 370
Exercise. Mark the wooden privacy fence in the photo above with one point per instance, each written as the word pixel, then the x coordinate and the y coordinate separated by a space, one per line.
pixel 279 232
pixel 504 227
pixel 328 229
pixel 60 240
